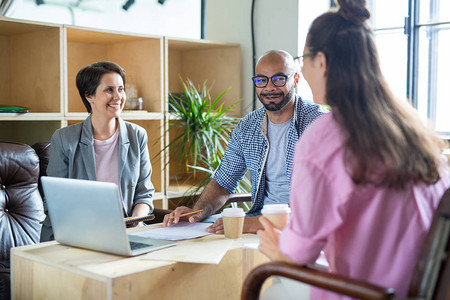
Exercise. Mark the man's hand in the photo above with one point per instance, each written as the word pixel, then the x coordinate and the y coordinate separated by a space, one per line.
pixel 212 198
pixel 251 225
pixel 174 217
pixel 217 227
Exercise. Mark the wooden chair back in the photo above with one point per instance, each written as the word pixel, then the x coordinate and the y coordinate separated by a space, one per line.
pixel 431 278
pixel 236 198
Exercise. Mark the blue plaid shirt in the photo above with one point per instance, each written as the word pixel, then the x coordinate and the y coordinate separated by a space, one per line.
pixel 248 148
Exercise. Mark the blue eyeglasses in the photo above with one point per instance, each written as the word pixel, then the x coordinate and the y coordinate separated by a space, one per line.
pixel 261 81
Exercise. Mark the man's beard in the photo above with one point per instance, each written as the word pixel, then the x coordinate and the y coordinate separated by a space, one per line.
pixel 272 106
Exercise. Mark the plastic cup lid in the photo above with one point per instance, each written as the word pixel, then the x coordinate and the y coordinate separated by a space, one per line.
pixel 276 209
pixel 233 212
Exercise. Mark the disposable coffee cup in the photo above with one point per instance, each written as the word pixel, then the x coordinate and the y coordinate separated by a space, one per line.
pixel 277 214
pixel 233 222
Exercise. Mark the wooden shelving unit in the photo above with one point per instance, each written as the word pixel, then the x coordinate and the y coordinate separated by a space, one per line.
pixel 40 62
pixel 200 60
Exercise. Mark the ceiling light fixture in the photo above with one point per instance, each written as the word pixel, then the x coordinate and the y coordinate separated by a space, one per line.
pixel 127 4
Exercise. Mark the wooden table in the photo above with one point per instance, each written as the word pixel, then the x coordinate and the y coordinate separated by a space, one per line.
pixel 54 271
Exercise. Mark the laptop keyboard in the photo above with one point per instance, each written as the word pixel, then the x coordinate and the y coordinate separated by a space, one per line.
pixel 136 245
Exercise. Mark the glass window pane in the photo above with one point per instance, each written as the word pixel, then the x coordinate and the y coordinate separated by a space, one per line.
pixel 444 11
pixel 433 95
pixel 434 11
pixel 388 13
pixel 423 78
pixel 392 51
pixel 424 11
pixel 443 79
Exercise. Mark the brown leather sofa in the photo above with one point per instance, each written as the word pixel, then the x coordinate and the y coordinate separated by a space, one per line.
pixel 42 149
pixel 21 207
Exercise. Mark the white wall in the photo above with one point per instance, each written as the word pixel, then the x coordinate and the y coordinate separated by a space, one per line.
pixel 280 24
pixel 308 11
pixel 275 26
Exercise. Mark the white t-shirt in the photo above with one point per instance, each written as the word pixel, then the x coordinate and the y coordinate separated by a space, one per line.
pixel 277 183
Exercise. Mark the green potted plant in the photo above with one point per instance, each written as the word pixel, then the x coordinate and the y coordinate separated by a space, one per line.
pixel 203 131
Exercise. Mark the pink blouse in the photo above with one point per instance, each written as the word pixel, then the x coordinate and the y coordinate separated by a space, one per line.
pixel 106 159
pixel 369 233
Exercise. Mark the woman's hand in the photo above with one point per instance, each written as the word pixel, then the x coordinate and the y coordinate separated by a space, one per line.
pixel 268 241
pixel 139 210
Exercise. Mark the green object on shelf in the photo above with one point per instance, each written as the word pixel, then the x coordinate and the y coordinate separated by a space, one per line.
pixel 13 109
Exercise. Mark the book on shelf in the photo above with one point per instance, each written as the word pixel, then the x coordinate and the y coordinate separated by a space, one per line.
pixel 13 109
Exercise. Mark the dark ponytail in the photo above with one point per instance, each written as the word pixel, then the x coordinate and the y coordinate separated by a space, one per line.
pixel 354 11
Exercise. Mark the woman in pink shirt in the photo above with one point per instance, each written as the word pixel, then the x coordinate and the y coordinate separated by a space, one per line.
pixel 367 177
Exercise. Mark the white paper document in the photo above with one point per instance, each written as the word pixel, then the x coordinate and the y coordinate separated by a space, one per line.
pixel 209 250
pixel 179 231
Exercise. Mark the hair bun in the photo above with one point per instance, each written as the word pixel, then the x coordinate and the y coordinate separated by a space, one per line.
pixel 353 10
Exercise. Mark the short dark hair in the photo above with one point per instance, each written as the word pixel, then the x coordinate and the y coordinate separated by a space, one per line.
pixel 88 78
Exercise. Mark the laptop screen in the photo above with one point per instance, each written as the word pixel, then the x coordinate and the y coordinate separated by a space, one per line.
pixel 86 214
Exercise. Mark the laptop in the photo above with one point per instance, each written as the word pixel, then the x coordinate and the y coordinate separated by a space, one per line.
pixel 88 214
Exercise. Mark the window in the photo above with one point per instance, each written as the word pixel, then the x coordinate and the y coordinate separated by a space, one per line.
pixel 413 39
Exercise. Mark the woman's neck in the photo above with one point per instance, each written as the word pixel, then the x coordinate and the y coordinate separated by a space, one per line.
pixel 104 129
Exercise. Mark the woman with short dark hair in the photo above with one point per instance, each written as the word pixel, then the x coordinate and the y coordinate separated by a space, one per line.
pixel 104 147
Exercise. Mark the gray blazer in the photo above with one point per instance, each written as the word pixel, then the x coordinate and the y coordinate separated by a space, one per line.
pixel 72 156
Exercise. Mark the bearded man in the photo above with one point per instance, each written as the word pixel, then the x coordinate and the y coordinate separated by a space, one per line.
pixel 263 143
